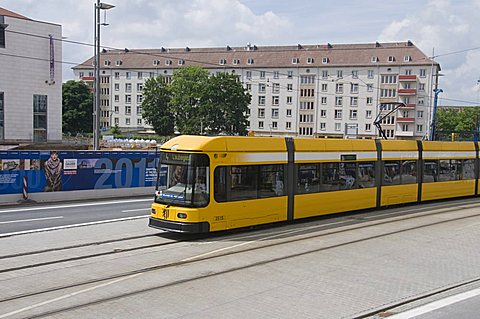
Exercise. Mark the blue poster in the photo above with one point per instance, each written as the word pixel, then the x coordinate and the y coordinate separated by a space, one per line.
pixel 52 171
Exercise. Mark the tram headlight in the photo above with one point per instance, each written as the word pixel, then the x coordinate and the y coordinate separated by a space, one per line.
pixel 182 215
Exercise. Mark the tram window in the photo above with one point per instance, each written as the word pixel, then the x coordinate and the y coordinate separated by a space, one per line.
pixel 244 182
pixel 391 173
pixel 468 169
pixel 348 175
pixel 430 171
pixel 330 180
pixel 366 174
pixel 271 182
pixel 220 184
pixel 448 171
pixel 308 178
pixel 409 172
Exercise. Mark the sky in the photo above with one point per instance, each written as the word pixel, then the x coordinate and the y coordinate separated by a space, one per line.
pixel 445 29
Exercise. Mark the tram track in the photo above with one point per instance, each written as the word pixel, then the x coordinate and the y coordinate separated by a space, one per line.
pixel 207 257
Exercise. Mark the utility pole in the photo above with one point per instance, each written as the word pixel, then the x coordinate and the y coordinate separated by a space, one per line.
pixel 435 102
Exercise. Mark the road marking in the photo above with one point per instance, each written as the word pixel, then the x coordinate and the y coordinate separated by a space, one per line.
pixel 136 210
pixel 72 226
pixel 29 220
pixel 74 205
pixel 67 296
pixel 436 305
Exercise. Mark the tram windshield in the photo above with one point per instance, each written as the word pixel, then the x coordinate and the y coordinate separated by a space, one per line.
pixel 183 180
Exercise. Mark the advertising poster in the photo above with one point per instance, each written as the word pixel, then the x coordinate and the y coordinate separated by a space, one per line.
pixel 52 171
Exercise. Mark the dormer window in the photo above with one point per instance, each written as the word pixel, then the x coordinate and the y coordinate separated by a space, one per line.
pixel 156 62
pixel 324 60
pixel 181 62
pixel 310 60
pixel 374 59
pixel 118 63
pixel 250 61
pixel 222 62
pixel 295 61
pixel 391 58
pixel 168 62
pixel 106 62
pixel 407 58
pixel 236 61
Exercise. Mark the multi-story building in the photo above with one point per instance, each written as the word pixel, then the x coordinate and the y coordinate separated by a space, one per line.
pixel 30 79
pixel 303 90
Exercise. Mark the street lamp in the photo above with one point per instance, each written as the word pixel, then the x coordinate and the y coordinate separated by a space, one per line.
pixel 96 110
pixel 435 102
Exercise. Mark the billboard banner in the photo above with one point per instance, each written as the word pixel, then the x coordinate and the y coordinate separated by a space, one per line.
pixel 51 171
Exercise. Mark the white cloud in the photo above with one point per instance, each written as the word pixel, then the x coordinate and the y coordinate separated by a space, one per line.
pixel 447 27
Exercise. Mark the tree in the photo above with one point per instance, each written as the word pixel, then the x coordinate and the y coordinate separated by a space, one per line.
pixel 188 91
pixel 227 105
pixel 77 108
pixel 155 106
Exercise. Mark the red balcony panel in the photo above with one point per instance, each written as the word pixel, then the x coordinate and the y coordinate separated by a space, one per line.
pixel 88 78
pixel 405 119
pixel 407 78
pixel 407 91
pixel 409 106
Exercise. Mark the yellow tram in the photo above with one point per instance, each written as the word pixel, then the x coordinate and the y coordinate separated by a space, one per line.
pixel 210 184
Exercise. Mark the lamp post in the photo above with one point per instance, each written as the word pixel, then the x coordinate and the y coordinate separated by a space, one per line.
pixel 96 110
pixel 435 101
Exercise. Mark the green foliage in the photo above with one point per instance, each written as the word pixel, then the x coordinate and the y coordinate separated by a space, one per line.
pixel 115 130
pixel 155 106
pixel 189 96
pixel 77 107
pixel 453 120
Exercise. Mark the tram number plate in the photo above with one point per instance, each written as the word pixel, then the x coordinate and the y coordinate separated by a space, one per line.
pixel 165 213
pixel 218 218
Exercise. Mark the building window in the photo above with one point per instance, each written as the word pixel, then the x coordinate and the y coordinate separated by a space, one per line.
pixel 260 124
pixel 419 114
pixel 140 87
pixel 419 128
pixel 116 121
pixel 139 122
pixel 261 87
pixel 275 100
pixel 423 73
pixel 116 109
pixel 339 74
pixel 324 74
pixel 407 58
pixel 388 79
pixel 368 114
pixel 369 100
pixel 324 87
pixel 249 74
pixel 117 98
pixel 222 62
pixel 295 60
pixel 276 74
pixel 405 127
pixel 354 88
pixel 140 75
pixel 338 114
pixel 249 87
pixel 323 113
pixel 261 113
pixel 323 100
pixel 128 110
pixel 310 60
pixel 368 127
pixel 391 58
pixel 339 88
pixel 289 87
pixel 128 87
pixel 127 121
pixel 289 100
pixel 261 100
pixel 40 107
pixel 250 61
pixel 289 74
pixel 181 62
pixel 369 87
pixel 117 75
pixel 289 112
pixel 276 88
pixel 421 102
pixel 274 125
pixel 288 125
pixel 117 86
pixel 353 101
pixel 338 101
pixel 355 74
pixel 323 126
pixel 275 113
pixel 2 34
pixel 370 74
pixel 236 61
pixel 421 86
pixel 128 98
pixel 139 99
pixel 338 126
pixel 262 74
pixel 128 75
pixel 353 114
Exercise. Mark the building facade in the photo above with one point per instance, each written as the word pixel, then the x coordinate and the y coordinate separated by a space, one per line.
pixel 304 90
pixel 30 79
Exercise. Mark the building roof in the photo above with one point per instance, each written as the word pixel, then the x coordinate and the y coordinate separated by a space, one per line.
pixel 7 13
pixel 317 55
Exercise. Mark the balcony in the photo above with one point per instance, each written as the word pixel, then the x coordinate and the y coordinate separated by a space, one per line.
pixel 404 133
pixel 407 91
pixel 407 78
pixel 405 119
pixel 409 106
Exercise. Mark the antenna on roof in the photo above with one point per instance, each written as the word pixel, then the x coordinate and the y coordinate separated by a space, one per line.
pixel 163 49
pixel 228 48
pixel 329 45
pixel 299 46
pixel 255 47
pixel 187 49
pixel 409 43
pixel 126 50
pixel 377 44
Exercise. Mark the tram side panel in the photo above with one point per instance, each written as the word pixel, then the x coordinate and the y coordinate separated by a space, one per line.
pixel 448 170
